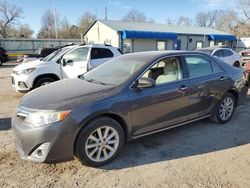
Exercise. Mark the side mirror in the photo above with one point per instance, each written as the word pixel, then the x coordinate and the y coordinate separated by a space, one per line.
pixel 145 83
pixel 58 61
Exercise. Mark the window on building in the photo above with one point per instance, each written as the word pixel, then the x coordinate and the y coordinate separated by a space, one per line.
pixel 97 53
pixel 161 45
pixel 220 43
pixel 127 46
pixel 199 44
pixel 211 43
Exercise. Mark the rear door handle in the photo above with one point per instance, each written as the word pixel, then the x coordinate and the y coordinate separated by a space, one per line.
pixel 222 78
pixel 183 88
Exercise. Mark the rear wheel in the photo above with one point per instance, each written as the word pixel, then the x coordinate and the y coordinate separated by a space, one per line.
pixel 236 64
pixel 99 142
pixel 44 81
pixel 225 109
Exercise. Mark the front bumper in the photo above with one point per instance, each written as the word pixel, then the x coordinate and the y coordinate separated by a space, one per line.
pixel 50 143
pixel 21 83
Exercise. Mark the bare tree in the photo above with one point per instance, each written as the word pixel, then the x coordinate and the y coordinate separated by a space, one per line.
pixel 68 31
pixel 85 21
pixel 207 19
pixel 184 21
pixel 25 31
pixel 9 15
pixel 48 21
pixel 135 16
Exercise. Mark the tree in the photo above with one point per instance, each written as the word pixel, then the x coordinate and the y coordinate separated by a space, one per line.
pixel 9 15
pixel 207 19
pixel 85 21
pixel 135 16
pixel 49 27
pixel 184 21
pixel 25 31
pixel 68 31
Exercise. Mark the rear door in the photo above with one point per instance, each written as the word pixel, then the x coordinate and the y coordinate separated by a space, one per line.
pixel 227 56
pixel 98 56
pixel 76 62
pixel 206 80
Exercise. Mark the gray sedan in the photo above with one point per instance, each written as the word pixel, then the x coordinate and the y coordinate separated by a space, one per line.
pixel 92 116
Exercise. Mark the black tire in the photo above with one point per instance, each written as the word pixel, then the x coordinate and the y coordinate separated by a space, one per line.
pixel 217 118
pixel 42 81
pixel 236 64
pixel 83 139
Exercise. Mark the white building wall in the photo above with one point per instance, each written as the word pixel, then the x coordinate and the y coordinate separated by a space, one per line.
pixel 100 33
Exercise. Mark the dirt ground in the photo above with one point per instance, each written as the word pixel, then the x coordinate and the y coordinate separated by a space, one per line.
pixel 201 154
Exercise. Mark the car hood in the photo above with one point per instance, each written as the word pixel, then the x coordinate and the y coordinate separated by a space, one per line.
pixel 65 95
pixel 28 65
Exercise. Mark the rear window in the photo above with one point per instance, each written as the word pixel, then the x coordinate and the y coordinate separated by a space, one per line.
pixel 98 53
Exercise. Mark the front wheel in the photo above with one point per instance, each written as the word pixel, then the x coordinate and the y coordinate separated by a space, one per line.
pixel 99 142
pixel 44 81
pixel 225 109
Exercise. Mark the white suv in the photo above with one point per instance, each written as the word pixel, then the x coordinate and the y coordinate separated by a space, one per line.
pixel 67 62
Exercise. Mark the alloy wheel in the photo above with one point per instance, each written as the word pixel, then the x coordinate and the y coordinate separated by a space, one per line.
pixel 102 143
pixel 226 108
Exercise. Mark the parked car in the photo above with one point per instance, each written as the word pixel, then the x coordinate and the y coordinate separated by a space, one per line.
pixel 125 98
pixel 245 55
pixel 225 54
pixel 3 56
pixel 67 62
pixel 38 54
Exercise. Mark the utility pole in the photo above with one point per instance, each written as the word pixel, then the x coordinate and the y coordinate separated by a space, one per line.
pixel 106 13
pixel 55 18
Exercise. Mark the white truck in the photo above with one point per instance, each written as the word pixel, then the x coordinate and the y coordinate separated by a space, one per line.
pixel 67 62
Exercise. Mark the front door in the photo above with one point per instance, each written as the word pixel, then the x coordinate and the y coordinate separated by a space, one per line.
pixel 75 62
pixel 164 104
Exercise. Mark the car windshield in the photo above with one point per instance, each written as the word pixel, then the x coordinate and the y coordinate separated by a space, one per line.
pixel 55 54
pixel 116 71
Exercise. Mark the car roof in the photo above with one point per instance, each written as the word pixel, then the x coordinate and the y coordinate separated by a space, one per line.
pixel 160 54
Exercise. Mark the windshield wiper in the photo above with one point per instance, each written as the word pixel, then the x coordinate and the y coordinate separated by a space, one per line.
pixel 93 81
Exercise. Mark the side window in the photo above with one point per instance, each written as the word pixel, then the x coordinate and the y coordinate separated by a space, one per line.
pixel 79 54
pixel 98 53
pixel 198 66
pixel 218 53
pixel 216 68
pixel 165 71
pixel 227 53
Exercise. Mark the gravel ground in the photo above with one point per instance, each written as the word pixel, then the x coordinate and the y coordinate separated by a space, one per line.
pixel 201 154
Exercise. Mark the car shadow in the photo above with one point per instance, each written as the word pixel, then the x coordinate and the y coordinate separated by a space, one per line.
pixel 5 124
pixel 189 140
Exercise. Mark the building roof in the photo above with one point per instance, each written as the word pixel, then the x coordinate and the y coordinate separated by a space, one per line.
pixel 155 27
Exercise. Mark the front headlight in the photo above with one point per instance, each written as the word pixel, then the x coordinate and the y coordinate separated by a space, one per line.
pixel 26 71
pixel 43 118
